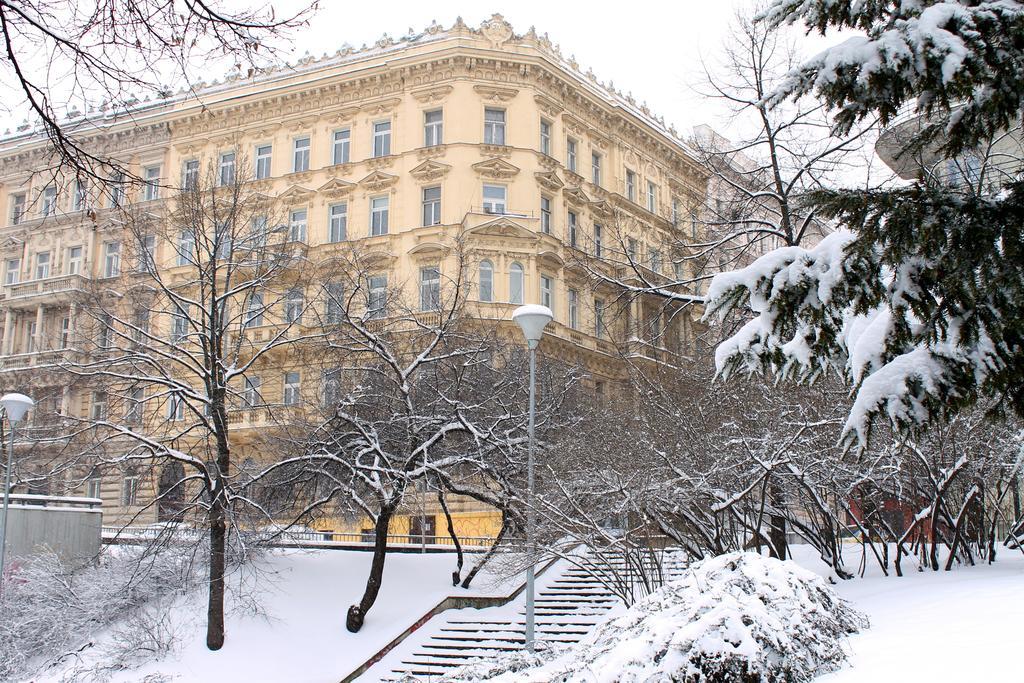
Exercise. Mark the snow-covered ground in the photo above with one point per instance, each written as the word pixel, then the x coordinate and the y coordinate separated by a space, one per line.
pixel 936 626
pixel 302 637
pixel 962 625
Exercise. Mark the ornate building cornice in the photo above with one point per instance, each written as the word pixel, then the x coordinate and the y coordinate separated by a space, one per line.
pixel 393 65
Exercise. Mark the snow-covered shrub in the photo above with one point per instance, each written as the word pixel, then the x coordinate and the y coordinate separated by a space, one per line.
pixel 50 611
pixel 737 617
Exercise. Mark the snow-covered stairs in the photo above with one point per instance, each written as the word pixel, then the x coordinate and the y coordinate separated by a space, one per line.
pixel 570 602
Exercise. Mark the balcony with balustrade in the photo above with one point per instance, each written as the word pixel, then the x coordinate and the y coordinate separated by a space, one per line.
pixel 44 291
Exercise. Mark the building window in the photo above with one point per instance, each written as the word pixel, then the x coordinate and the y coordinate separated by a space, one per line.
pixel 117 190
pixel 382 139
pixel 190 174
pixel 515 284
pixel 49 201
pixel 545 215
pixel 133 411
pixel 226 175
pixel 330 387
pixel 379 216
pixel 494 126
pixel 74 263
pixel 598 240
pixel 292 386
pixel 80 196
pixel 31 337
pixel 12 271
pixel 675 211
pixel 111 259
pixel 105 333
pixel 300 155
pixel 340 151
pixel 545 137
pixel 654 257
pixel 116 185
pixel 94 487
pixel 574 309
pixel 179 327
pixel 570 154
pixel 630 185
pixel 252 394
pixel 254 311
pixel 431 206
pixel 486 283
pixel 186 248
pixel 259 226
pixel 297 220
pixel 547 293
pixel 652 193
pixel 140 326
pixel 264 155
pixel 147 254
pixel 293 305
pixel 433 128
pixel 599 318
pixel 175 408
pixel 65 332
pixel 17 208
pixel 335 293
pixel 377 295
pixel 337 220
pixel 573 236
pixel 129 490
pixel 595 168
pixel 223 243
pixel 42 265
pixel 632 247
pixel 98 411
pixel 152 189
pixel 430 288
pixel 494 199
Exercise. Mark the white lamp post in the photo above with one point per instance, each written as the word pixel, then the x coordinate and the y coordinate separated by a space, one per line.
pixel 532 319
pixel 15 405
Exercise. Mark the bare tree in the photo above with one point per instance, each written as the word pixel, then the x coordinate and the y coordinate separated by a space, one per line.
pixel 419 399
pixel 75 66
pixel 200 296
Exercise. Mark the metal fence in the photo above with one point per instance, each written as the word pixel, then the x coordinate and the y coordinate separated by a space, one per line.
pixel 290 538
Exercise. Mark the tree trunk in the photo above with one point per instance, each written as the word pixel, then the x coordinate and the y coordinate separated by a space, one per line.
pixel 357 613
pixel 777 522
pixel 457 574
pixel 506 522
pixel 215 610
pixel 1016 498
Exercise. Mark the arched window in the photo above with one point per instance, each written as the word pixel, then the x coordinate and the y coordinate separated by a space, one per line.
pixel 486 281
pixel 515 284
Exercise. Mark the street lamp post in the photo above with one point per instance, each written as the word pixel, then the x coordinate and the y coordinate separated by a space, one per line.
pixel 531 319
pixel 15 405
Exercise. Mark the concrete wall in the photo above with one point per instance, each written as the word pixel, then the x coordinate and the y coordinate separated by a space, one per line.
pixel 71 531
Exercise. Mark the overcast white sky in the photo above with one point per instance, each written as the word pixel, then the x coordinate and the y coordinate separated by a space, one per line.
pixel 652 49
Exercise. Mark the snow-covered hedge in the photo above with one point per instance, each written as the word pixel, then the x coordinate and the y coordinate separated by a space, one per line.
pixel 736 617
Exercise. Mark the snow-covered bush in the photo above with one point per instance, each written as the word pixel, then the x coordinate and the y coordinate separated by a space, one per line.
pixel 50 611
pixel 736 617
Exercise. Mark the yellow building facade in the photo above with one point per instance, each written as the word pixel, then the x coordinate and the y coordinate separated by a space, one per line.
pixel 479 134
